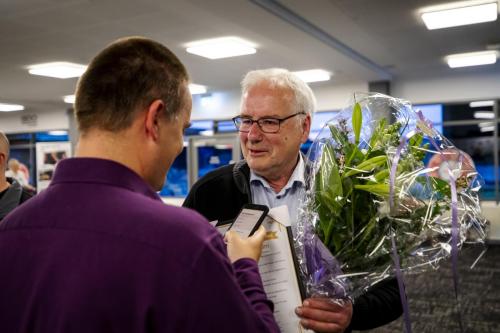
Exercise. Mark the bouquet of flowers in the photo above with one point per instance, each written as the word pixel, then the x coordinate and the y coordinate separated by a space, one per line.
pixel 380 195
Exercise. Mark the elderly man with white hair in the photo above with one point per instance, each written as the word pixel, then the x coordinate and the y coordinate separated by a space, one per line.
pixel 274 120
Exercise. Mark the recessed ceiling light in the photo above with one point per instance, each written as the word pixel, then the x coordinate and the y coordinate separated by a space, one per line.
pixel 10 107
pixel 223 47
pixel 472 59
pixel 484 115
pixel 479 104
pixel 313 75
pixel 487 129
pixel 70 99
pixel 196 89
pixel 459 13
pixel 486 124
pixel 60 70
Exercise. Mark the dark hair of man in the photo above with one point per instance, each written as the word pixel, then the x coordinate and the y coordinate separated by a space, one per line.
pixel 125 77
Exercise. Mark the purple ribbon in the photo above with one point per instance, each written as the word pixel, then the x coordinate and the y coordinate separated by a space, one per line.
pixel 402 293
pixel 455 227
pixel 395 257
pixel 395 161
pixel 454 223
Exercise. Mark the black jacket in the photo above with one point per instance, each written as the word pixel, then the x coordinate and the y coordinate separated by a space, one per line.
pixel 220 194
pixel 12 197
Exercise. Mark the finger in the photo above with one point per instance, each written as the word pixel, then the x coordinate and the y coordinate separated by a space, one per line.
pixel 321 327
pixel 326 316
pixel 260 233
pixel 324 304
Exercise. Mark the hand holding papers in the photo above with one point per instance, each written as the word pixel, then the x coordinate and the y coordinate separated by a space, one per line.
pixel 278 269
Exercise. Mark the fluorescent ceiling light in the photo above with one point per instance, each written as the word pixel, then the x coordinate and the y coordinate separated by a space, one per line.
pixel 487 129
pixel 459 13
pixel 196 89
pixel 70 99
pixel 479 104
pixel 60 70
pixel 313 75
pixel 10 107
pixel 486 124
pixel 223 47
pixel 484 115
pixel 472 59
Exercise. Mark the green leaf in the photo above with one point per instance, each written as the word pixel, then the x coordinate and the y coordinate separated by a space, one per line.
pixel 357 119
pixel 377 189
pixel 376 134
pixel 367 166
pixel 416 140
pixel 382 175
pixel 338 136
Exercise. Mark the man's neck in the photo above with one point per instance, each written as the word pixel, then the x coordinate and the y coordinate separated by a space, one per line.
pixel 278 184
pixel 110 146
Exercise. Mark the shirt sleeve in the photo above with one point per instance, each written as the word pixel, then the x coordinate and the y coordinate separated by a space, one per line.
pixel 227 298
pixel 380 305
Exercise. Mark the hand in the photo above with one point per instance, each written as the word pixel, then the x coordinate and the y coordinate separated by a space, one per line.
pixel 323 315
pixel 251 247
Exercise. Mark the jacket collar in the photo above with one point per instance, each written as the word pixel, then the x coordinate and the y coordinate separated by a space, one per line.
pixel 11 197
pixel 100 171
pixel 241 175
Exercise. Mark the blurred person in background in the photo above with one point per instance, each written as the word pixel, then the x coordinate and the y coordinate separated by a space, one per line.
pixel 12 194
pixel 16 171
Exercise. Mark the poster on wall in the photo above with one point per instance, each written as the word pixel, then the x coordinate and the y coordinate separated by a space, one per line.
pixel 47 156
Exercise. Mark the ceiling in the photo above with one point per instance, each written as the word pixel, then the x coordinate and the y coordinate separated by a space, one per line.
pixel 357 40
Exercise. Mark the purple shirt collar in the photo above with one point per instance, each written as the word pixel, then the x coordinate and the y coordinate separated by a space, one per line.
pixel 101 171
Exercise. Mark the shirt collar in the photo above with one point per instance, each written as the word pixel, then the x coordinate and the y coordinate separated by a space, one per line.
pixel 100 171
pixel 296 177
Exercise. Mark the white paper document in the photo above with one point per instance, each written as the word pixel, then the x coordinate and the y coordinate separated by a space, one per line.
pixel 278 272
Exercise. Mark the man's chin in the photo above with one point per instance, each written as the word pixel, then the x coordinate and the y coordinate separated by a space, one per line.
pixel 258 166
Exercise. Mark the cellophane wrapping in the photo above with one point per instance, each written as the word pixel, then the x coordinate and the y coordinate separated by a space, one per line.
pixel 371 184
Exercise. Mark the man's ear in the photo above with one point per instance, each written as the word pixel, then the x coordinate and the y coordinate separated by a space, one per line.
pixel 306 128
pixel 153 114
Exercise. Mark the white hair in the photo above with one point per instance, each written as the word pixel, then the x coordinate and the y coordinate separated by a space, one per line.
pixel 282 78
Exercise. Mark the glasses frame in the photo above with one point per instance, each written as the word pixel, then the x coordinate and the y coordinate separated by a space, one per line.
pixel 237 122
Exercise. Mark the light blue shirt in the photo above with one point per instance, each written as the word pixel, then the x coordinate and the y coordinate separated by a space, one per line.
pixel 290 195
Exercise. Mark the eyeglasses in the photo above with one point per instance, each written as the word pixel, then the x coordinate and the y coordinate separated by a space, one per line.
pixel 266 125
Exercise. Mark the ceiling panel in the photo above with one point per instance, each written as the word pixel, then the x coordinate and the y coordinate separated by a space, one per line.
pixel 387 33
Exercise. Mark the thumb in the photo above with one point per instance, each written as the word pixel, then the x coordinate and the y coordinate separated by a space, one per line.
pixel 260 233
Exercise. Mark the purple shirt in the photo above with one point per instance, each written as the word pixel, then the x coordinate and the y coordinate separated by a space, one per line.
pixel 98 251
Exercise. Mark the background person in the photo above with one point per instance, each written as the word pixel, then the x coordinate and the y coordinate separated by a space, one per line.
pixel 16 172
pixel 12 194
pixel 98 251
pixel 274 120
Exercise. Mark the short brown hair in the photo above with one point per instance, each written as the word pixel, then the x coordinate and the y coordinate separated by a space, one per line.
pixel 127 75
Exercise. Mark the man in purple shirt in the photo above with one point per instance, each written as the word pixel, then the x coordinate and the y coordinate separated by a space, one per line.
pixel 98 251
